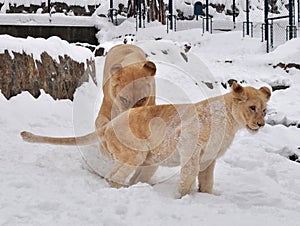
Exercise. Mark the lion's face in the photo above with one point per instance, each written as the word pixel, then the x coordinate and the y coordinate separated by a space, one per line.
pixel 249 107
pixel 132 86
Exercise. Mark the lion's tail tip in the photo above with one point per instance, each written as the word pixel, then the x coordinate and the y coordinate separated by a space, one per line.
pixel 27 136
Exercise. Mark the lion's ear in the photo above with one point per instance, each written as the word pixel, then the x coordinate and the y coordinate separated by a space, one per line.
pixel 238 92
pixel 115 68
pixel 266 92
pixel 150 66
pixel 237 88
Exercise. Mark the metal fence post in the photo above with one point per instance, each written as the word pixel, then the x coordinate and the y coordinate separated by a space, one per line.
pixel 262 32
pixel 111 6
pixel 207 16
pixel 171 14
pixel 233 14
pixel 298 13
pixel 247 17
pixel 167 23
pixel 291 18
pixel 175 23
pixel 49 11
pixel 272 34
pixel 140 13
pixel 136 21
pixel 267 23
pixel 49 6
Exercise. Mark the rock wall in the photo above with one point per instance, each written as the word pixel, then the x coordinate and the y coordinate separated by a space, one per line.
pixel 59 7
pixel 59 79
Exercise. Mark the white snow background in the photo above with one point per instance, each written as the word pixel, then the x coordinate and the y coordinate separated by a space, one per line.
pixel 255 182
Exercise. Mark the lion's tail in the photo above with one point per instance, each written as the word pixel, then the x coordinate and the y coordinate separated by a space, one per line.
pixel 81 140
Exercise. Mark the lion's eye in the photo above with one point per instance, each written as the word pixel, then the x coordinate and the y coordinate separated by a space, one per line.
pixel 141 101
pixel 252 108
pixel 124 100
pixel 265 112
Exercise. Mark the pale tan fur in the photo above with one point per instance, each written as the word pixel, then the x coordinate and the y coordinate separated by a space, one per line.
pixel 190 135
pixel 128 81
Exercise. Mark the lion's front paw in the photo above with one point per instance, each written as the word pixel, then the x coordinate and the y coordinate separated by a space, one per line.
pixel 205 189
pixel 209 191
pixel 183 190
pixel 115 184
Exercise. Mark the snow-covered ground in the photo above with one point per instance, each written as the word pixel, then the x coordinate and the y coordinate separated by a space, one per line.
pixel 255 182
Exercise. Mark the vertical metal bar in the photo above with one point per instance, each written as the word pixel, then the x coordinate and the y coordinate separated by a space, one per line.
pixel 266 19
pixel 233 14
pixel 175 23
pixel 291 16
pixel 267 23
pixel 111 6
pixel 49 7
pixel 136 22
pixel 207 16
pixel 116 19
pixel 298 12
pixel 140 13
pixel 171 13
pixel 167 24
pixel 247 17
pixel 272 35
pixel 267 42
pixel 262 32
pixel 49 10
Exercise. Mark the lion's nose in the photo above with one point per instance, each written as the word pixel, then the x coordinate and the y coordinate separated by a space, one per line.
pixel 260 124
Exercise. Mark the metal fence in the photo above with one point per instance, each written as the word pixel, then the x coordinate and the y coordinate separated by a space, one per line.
pixel 272 21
